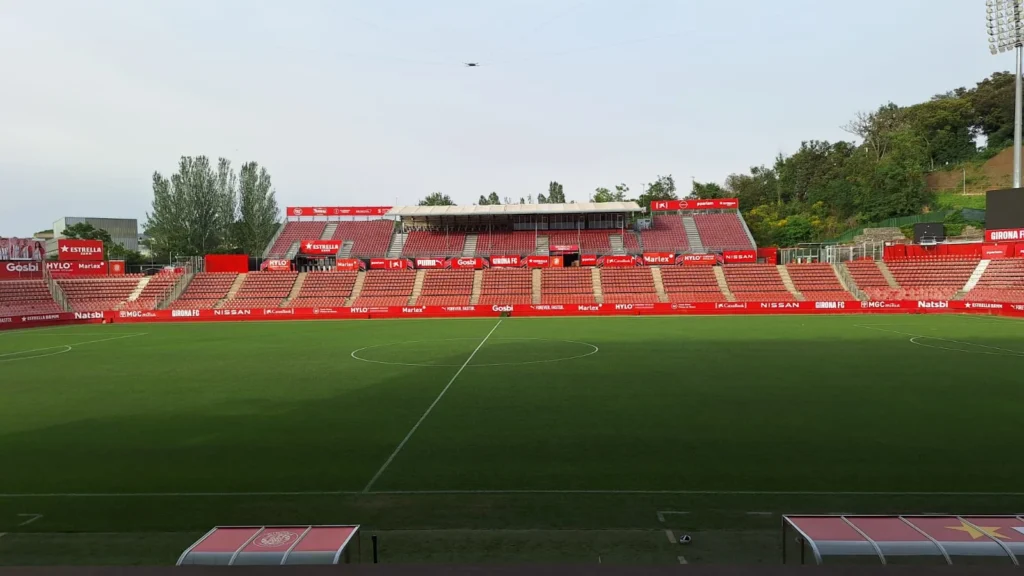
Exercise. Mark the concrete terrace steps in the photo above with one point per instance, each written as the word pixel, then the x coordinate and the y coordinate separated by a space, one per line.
pixel 847 282
pixel 618 247
pixel 542 246
pixel 979 271
pixel 595 280
pixel 692 235
pixel 346 249
pixel 478 283
pixel 535 285
pixel 397 244
pixel 296 289
pixel 723 285
pixel 787 281
pixel 235 287
pixel 417 287
pixel 887 274
pixel 329 230
pixel 659 284
pixel 143 282
pixel 176 291
pixel 469 247
pixel 357 288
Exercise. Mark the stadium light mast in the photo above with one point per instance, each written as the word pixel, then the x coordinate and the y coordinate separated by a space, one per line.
pixel 1006 31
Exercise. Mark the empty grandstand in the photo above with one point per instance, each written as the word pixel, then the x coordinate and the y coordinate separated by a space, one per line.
pixel 292 234
pixel 18 297
pixel 157 289
pixel 666 235
pixel 369 238
pixel 98 294
pixel 692 284
pixel 262 290
pixel 869 278
pixel 628 286
pixel 816 281
pixel 434 243
pixel 446 288
pixel 723 231
pixel 506 286
pixel 937 279
pixel 1002 281
pixel 756 282
pixel 386 288
pixel 567 286
pixel 325 290
pixel 205 290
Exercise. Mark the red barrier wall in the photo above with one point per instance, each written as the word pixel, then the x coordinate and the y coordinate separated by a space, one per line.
pixel 227 263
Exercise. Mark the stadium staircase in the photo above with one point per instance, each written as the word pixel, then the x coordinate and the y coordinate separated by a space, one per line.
pixel 618 249
pixel 56 292
pixel 300 280
pixel 1003 281
pixel 541 246
pixel 535 284
pixel 815 281
pixel 469 247
pixel 417 287
pixel 293 250
pixel 179 287
pixel 324 290
pixel 787 281
pixel 397 245
pixel 659 284
pixel 979 271
pixel 847 281
pixel 693 235
pixel 357 288
pixel 346 249
pixel 723 285
pixel 329 231
pixel 595 283
pixel 233 291
pixel 887 274
pixel 138 289
pixel 273 241
pixel 756 283
pixel 478 282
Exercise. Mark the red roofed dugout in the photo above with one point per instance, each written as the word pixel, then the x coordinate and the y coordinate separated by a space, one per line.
pixel 271 545
pixel 885 537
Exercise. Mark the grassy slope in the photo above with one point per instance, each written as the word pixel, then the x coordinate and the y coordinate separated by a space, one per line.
pixel 736 403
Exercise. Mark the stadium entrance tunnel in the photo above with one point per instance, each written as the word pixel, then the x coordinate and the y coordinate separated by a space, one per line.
pixel 495 352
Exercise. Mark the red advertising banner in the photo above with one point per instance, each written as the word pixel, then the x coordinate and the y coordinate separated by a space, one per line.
pixel 20 270
pixel 588 260
pixel 21 249
pixel 276 265
pixel 91 250
pixel 296 211
pixel 348 264
pixel 77 268
pixel 708 204
pixel 1005 235
pixel 320 247
pixel 506 261
pixel 538 261
pixel 238 263
pixel 739 256
pixel 429 262
pixel 563 248
pixel 116 267
pixel 697 259
pixel 989 251
pixel 657 258
pixel 616 261
pixel 770 255
pixel 466 263
pixel 389 264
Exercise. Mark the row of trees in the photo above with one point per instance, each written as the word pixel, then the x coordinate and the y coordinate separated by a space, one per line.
pixel 663 188
pixel 207 209
pixel 825 188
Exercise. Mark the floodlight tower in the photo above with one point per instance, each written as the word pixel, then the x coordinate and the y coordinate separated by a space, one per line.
pixel 1005 32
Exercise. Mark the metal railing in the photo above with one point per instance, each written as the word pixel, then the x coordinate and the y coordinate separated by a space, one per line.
pixel 59 296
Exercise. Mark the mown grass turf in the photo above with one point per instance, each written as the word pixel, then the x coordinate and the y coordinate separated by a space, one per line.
pixel 717 416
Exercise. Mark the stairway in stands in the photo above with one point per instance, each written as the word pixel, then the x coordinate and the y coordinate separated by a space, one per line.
pixel 787 281
pixel 723 285
pixel 296 289
pixel 542 246
pixel 329 230
pixel 535 286
pixel 357 288
pixel 235 287
pixel 595 280
pixel 692 235
pixel 478 283
pixel 618 248
pixel 397 244
pixel 469 248
pixel 659 284
pixel 417 287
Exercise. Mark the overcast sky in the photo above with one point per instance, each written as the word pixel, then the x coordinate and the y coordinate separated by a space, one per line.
pixel 367 102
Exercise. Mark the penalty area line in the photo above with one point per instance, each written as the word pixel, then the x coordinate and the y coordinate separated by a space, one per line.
pixel 430 409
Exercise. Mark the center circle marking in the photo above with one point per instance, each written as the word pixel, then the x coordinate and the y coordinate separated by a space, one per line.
pixel 594 350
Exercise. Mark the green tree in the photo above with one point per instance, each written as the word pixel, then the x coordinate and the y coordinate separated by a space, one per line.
pixel 437 199
pixel 490 200
pixel 992 100
pixel 664 188
pixel 258 213
pixel 555 195
pixel 606 195
pixel 193 211
pixel 707 191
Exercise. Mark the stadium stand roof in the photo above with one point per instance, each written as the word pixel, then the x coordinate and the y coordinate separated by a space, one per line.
pixel 271 545
pixel 515 209
pixel 887 536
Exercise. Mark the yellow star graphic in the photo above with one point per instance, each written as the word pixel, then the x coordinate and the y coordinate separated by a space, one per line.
pixel 980 531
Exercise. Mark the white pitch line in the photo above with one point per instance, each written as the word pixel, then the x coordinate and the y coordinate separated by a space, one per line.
pixel 681 560
pixel 430 409
pixel 662 513
pixel 498 493
pixel 671 536
pixel 916 336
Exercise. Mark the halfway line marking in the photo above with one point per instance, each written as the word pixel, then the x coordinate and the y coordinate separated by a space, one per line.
pixel 430 408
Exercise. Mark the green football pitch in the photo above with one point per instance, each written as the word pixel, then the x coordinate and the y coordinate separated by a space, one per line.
pixel 519 440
